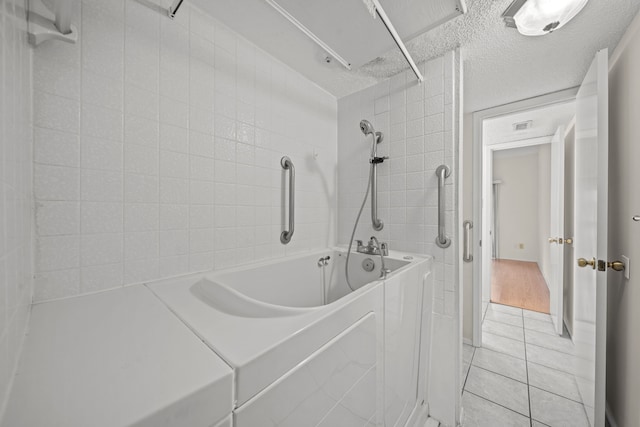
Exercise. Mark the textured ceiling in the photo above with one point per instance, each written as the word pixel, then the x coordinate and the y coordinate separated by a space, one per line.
pixel 500 65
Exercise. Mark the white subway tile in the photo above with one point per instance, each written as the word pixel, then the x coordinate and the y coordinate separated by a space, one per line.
pixel 99 217
pixel 102 122
pixel 56 284
pixel 142 160
pixel 97 249
pixel 101 277
pixel 174 217
pixel 56 112
pixel 141 217
pixel 141 245
pixel 56 148
pixel 141 131
pixel 57 218
pixel 174 242
pixel 101 154
pixel 174 164
pixel 56 183
pixel 58 253
pixel 102 186
pixel 101 90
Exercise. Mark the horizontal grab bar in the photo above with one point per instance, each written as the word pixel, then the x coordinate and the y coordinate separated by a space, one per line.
pixel 442 240
pixel 287 164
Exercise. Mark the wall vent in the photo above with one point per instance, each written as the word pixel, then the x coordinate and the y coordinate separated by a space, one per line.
pixel 523 125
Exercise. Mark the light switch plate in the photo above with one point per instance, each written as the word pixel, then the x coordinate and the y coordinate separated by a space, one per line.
pixel 627 267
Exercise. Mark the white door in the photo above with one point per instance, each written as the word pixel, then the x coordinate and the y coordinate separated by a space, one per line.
pixel 590 243
pixel 556 227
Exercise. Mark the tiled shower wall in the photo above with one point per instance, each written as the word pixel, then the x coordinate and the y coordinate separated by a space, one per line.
pixel 420 125
pixel 16 266
pixel 158 146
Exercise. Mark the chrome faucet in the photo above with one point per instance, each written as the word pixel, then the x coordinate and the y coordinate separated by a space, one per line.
pixel 374 247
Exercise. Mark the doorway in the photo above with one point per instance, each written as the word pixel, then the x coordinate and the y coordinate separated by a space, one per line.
pixel 520 201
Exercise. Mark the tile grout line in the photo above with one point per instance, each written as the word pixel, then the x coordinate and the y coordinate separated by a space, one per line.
pixel 496 403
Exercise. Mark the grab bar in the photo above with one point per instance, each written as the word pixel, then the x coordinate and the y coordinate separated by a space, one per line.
pixel 467 256
pixel 287 164
pixel 442 240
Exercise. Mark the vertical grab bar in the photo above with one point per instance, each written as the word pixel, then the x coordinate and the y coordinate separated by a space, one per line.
pixel 287 164
pixel 467 256
pixel 442 240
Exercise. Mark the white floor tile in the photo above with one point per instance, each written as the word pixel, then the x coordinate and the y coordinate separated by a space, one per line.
pixel 550 358
pixel 539 325
pixel 479 412
pixel 535 423
pixel 554 381
pixel 506 309
pixel 499 389
pixel 503 329
pixel 536 315
pixel 554 342
pixel 555 410
pixel 498 316
pixel 500 363
pixel 505 345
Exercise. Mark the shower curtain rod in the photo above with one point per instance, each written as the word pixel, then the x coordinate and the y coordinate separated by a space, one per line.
pixel 396 38
pixel 170 12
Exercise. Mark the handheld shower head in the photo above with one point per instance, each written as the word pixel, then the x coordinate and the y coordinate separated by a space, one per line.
pixel 366 127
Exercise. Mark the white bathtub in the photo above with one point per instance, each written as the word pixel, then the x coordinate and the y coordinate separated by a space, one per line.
pixel 305 349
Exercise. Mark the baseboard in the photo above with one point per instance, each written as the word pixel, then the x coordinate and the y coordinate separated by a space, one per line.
pixel 609 420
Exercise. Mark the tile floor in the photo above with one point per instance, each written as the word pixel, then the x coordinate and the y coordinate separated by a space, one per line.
pixel 521 376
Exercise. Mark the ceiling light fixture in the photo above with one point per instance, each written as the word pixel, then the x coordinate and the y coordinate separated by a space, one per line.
pixel 540 17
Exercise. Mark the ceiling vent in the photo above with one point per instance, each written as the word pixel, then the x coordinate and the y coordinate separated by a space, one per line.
pixel 522 125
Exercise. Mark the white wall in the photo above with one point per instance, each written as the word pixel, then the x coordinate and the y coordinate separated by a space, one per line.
pixel 623 339
pixel 517 215
pixel 420 126
pixel 157 150
pixel 16 261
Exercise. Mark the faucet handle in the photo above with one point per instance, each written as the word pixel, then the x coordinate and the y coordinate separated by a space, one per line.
pixel 384 248
pixel 358 243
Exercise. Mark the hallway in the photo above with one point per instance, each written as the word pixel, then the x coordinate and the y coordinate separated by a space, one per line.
pixel 522 374
pixel 519 284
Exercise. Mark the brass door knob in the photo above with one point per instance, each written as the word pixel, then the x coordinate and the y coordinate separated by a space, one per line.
pixel 569 240
pixel 583 262
pixel 616 265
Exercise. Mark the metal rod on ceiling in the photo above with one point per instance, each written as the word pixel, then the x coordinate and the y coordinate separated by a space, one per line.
pixel 309 33
pixel 173 9
pixel 396 38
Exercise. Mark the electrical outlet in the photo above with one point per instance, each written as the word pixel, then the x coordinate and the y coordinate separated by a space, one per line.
pixel 521 246
pixel 627 267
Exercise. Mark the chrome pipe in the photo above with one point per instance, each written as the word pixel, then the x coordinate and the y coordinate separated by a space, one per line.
pixel 467 256
pixel 287 164
pixel 442 240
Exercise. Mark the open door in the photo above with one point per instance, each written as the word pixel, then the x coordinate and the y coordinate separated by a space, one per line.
pixel 590 242
pixel 556 241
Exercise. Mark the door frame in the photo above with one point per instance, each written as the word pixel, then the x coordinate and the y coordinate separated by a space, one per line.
pixel 479 160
